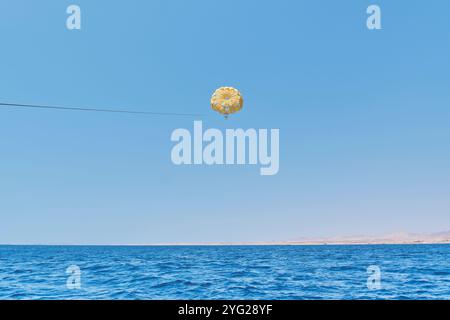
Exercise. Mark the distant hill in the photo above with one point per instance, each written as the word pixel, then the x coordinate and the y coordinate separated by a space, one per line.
pixel 396 238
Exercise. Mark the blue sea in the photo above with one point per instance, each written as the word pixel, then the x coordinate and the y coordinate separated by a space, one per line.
pixel 225 272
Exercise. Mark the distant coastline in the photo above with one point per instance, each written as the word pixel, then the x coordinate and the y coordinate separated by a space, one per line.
pixel 392 239
pixel 395 238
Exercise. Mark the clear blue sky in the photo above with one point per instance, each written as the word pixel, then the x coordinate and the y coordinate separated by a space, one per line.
pixel 363 117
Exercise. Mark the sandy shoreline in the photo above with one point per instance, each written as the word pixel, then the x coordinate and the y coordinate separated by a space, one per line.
pixel 394 239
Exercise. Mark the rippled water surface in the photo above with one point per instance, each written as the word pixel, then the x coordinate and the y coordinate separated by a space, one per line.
pixel 225 272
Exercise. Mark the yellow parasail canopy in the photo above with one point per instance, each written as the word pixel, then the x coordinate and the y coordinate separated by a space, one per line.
pixel 227 100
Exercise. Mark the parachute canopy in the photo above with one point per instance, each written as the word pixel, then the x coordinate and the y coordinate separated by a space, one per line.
pixel 227 100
